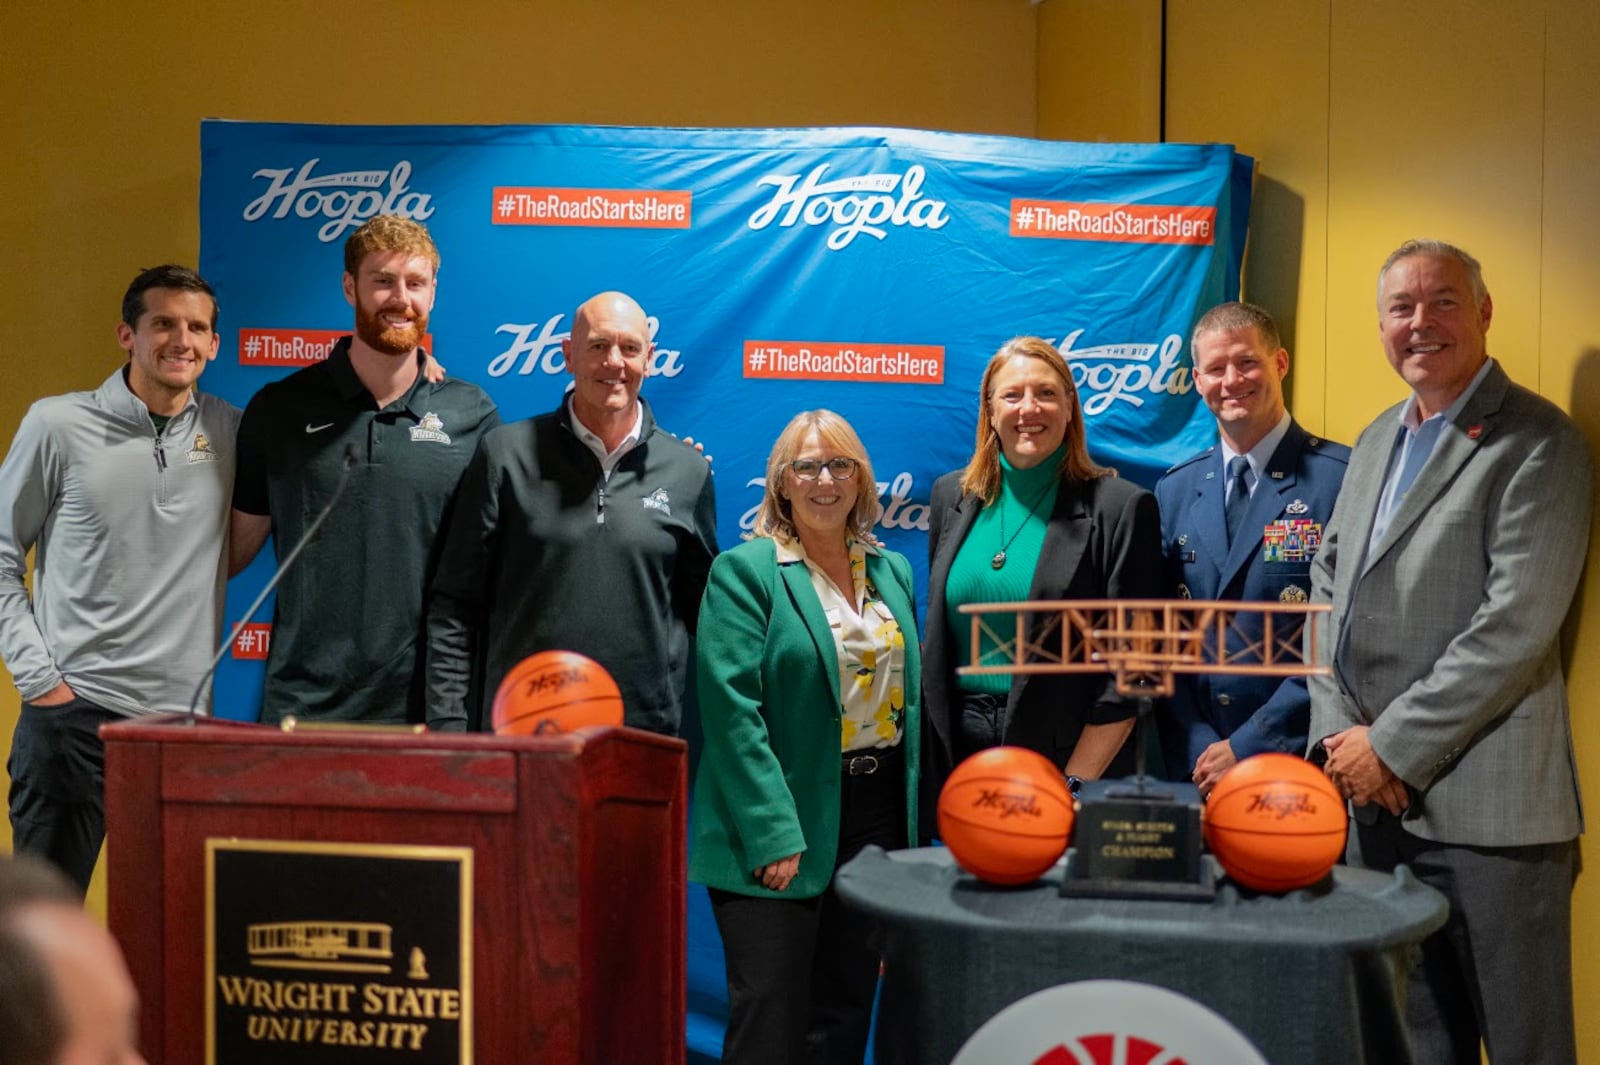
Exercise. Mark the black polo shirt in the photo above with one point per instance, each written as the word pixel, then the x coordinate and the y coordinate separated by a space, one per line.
pixel 348 624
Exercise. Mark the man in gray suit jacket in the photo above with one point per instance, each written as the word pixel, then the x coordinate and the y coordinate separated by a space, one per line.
pixel 1450 561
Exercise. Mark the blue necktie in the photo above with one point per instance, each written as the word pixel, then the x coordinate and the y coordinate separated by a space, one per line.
pixel 1238 495
pixel 1422 443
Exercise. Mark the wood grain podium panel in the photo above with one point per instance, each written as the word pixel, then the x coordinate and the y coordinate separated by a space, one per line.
pixel 578 853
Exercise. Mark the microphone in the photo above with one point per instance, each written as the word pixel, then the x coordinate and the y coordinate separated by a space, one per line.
pixel 350 460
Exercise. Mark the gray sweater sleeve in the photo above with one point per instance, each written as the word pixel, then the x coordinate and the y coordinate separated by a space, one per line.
pixel 30 483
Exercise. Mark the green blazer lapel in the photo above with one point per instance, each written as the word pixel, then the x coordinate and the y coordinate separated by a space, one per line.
pixel 897 599
pixel 808 608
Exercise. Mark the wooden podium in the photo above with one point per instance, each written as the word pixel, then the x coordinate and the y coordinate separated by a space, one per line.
pixel 289 897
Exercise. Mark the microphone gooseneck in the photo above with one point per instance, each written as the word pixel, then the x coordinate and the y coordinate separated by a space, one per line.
pixel 351 457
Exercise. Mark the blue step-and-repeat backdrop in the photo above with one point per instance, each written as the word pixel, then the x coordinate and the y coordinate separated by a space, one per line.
pixel 871 271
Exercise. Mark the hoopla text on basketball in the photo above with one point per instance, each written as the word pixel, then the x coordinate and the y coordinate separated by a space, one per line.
pixel 1281 804
pixel 1009 803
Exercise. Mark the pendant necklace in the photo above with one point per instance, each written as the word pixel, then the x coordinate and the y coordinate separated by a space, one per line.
pixel 999 558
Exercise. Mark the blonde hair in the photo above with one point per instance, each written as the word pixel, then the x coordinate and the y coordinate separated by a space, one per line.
pixel 775 516
pixel 389 232
pixel 982 475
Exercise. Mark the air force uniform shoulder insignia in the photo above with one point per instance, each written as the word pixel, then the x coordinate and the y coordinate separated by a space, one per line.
pixel 1317 447
pixel 1191 460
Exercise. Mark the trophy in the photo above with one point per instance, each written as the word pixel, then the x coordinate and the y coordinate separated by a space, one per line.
pixel 1139 837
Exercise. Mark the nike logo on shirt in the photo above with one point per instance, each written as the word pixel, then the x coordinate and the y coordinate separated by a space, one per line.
pixel 318 428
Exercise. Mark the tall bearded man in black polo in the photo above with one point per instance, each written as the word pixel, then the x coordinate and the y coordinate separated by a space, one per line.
pixel 347 631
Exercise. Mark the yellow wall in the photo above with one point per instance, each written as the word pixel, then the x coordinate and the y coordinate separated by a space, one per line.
pixel 1472 120
pixel 1476 121
pixel 1100 70
pixel 100 106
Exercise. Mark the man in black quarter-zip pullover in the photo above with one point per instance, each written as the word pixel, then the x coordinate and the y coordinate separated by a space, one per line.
pixel 589 529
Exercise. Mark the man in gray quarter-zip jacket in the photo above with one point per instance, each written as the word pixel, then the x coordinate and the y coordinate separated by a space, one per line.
pixel 122 493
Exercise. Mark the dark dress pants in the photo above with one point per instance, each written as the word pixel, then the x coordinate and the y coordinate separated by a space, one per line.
pixel 1501 967
pixel 802 973
pixel 57 797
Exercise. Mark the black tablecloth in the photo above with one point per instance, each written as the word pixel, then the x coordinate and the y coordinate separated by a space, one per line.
pixel 1310 977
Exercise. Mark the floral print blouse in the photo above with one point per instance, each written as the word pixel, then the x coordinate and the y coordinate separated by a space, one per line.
pixel 871 651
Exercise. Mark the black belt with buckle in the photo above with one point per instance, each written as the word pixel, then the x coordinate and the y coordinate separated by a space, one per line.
pixel 864 765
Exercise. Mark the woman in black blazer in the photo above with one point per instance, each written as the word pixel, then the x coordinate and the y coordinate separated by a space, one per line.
pixel 1031 517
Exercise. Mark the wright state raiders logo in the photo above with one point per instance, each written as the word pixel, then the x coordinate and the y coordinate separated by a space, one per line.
pixel 201 450
pixel 431 428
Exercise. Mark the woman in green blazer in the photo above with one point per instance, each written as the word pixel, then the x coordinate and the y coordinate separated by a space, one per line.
pixel 809 679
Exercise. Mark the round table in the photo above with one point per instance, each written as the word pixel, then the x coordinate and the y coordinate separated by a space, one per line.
pixel 1312 976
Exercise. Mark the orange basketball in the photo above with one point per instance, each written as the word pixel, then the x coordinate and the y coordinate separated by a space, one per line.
pixel 1006 815
pixel 1275 822
pixel 554 691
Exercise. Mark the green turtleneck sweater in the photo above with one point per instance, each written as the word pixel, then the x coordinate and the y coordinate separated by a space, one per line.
pixel 1014 522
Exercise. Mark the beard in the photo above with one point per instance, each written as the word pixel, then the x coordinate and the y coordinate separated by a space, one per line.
pixel 389 339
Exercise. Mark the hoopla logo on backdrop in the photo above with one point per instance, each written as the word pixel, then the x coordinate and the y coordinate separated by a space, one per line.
pixel 853 205
pixel 536 346
pixel 346 200
pixel 1125 373
pixel 899 510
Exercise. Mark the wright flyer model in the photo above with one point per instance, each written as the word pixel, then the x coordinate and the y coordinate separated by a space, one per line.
pixel 1141 837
